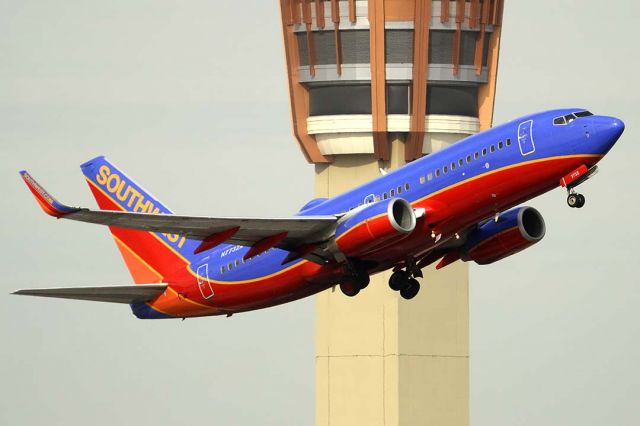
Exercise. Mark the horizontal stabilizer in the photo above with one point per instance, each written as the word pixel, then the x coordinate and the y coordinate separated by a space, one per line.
pixel 114 294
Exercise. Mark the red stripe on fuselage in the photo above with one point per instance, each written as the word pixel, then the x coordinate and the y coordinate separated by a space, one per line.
pixel 478 198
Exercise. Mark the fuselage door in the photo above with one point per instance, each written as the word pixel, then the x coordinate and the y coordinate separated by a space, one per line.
pixel 525 137
pixel 203 281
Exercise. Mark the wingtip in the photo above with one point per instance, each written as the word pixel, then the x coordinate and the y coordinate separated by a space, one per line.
pixel 46 201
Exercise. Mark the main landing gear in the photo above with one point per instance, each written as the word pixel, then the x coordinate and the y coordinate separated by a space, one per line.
pixel 404 282
pixel 353 285
pixel 575 200
pixel 357 279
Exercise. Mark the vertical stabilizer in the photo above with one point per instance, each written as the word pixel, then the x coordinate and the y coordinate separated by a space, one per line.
pixel 151 257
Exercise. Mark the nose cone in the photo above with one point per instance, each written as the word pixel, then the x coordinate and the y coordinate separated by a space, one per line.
pixel 617 127
pixel 608 130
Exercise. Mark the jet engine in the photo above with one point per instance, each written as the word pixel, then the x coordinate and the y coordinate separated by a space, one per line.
pixel 514 231
pixel 374 226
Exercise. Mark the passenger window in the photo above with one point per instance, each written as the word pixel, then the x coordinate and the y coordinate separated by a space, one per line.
pixel 492 148
pixel 429 176
pixel 222 269
pixel 500 145
pixel 406 186
pixel 484 151
pixel 445 169
pixel 437 172
pixel 237 262
pixel 384 196
pixel 468 159
pixel 508 142
pixel 460 162
pixel 399 190
pixel 475 155
pixel 453 166
pixel 377 198
pixel 230 266
pixel 392 193
pixel 421 179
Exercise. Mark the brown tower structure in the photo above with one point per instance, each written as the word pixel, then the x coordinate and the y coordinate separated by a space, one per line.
pixel 375 84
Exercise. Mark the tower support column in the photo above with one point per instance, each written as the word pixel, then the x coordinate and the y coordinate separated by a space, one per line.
pixel 379 83
pixel 383 360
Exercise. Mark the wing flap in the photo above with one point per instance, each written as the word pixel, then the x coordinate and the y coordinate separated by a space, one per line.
pixel 113 294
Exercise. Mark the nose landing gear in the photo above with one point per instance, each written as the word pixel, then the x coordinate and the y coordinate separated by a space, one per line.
pixel 575 200
pixel 573 179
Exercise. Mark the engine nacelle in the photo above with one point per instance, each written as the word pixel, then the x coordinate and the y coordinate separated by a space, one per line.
pixel 374 226
pixel 514 231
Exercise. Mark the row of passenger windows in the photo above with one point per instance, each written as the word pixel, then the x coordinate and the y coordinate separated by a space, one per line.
pixel 384 196
pixel 566 119
pixel 461 162
pixel 240 261
pixel 445 169
pixel 392 192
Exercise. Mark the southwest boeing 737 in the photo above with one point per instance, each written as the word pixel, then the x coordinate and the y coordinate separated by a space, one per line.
pixel 456 204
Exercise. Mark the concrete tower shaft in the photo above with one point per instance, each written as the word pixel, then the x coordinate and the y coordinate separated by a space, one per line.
pixel 375 84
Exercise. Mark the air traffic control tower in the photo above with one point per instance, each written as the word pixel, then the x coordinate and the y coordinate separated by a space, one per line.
pixel 375 84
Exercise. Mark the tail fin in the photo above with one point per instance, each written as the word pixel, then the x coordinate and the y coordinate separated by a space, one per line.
pixel 150 257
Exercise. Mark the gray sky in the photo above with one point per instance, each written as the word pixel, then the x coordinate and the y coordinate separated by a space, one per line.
pixel 192 101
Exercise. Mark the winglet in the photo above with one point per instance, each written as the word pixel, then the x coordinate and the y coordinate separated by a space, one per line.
pixel 50 205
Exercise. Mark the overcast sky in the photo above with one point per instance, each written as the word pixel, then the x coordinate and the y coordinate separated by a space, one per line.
pixel 191 99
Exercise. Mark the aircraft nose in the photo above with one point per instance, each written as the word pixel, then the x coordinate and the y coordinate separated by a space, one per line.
pixel 617 127
pixel 610 129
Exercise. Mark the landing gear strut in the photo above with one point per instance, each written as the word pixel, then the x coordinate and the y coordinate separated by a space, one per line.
pixel 403 282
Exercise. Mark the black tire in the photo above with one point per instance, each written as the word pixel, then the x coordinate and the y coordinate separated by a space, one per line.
pixel 349 289
pixel 363 281
pixel 581 201
pixel 572 200
pixel 411 290
pixel 399 280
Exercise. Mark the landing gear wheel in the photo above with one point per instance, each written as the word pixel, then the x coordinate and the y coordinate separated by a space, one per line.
pixel 411 290
pixel 349 289
pixel 581 201
pixel 362 281
pixel 399 280
pixel 572 200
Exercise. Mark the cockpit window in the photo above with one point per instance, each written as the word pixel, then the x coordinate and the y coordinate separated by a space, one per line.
pixel 582 114
pixel 559 121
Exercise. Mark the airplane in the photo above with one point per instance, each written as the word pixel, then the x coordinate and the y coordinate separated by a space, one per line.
pixel 459 203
